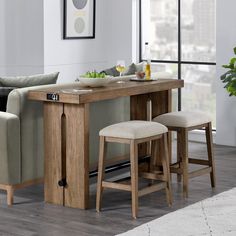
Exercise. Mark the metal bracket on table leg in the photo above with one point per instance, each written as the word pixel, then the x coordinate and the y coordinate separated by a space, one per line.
pixel 62 182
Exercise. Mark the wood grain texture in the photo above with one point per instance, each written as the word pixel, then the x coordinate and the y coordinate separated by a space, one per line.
pixel 183 142
pixel 114 90
pixel 157 103
pixel 31 216
pixel 10 189
pixel 183 160
pixel 138 111
pixel 162 103
pixel 77 156
pixel 52 152
pixel 135 173
pixel 179 157
pixel 134 177
pixel 70 146
pixel 166 169
pixel 101 167
pixel 202 171
pixel 10 195
pixel 124 187
pixel 211 159
pixel 151 189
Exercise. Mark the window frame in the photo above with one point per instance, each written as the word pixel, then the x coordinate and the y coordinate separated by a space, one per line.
pixel 179 60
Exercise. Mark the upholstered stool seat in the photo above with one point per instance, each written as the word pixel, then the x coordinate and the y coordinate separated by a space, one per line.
pixel 182 122
pixel 133 129
pixel 135 133
pixel 183 119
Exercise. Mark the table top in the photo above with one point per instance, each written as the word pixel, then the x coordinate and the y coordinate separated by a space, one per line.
pixel 76 94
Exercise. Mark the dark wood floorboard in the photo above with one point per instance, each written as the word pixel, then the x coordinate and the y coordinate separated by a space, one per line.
pixel 30 216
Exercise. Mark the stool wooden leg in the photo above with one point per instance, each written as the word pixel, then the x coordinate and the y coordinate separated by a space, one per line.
pixel 153 160
pixel 179 147
pixel 166 169
pixel 102 150
pixel 134 177
pixel 210 153
pixel 183 142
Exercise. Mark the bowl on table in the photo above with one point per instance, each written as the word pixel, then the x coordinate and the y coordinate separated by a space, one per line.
pixel 95 82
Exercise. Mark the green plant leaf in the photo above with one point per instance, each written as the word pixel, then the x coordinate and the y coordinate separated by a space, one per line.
pixel 232 61
pixel 230 66
pixel 229 77
pixel 235 50
pixel 222 77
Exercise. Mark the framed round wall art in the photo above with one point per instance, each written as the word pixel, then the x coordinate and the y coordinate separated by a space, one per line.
pixel 79 19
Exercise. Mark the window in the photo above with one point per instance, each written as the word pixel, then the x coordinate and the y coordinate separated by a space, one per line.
pixel 181 34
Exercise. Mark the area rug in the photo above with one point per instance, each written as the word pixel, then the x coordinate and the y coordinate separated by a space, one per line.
pixel 215 216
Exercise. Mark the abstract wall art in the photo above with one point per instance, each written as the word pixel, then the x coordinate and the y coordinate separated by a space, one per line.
pixel 79 19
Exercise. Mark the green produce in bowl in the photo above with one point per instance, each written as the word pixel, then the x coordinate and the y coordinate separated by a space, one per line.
pixel 94 74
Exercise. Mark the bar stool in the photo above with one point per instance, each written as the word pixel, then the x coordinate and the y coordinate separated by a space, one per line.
pixel 182 122
pixel 134 133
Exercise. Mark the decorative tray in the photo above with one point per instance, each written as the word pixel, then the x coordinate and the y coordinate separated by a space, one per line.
pixel 142 80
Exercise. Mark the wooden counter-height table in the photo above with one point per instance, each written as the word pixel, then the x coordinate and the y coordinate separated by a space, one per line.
pixel 66 131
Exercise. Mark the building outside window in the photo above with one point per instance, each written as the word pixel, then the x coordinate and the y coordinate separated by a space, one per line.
pixel 181 34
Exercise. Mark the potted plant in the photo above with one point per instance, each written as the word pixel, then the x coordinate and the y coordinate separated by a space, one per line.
pixel 229 78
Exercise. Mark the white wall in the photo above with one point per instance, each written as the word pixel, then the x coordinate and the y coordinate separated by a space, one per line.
pixel 32 43
pixel 113 41
pixel 21 40
pixel 73 57
pixel 226 41
pixel 2 38
pixel 31 38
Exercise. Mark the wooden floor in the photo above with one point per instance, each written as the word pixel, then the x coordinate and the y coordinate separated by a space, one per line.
pixel 31 216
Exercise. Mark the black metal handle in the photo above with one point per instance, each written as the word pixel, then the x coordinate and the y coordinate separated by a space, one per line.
pixel 62 183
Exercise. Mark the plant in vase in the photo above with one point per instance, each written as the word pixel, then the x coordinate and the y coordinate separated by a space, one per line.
pixel 229 78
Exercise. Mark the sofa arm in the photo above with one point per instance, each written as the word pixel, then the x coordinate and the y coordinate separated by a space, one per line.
pixel 9 149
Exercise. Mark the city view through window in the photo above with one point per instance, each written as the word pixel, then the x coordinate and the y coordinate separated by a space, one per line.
pixel 181 34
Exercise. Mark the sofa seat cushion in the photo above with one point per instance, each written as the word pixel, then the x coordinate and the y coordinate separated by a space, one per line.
pixel 135 129
pixel 29 81
pixel 183 119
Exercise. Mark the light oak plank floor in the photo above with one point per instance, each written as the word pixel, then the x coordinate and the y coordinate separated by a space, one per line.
pixel 31 216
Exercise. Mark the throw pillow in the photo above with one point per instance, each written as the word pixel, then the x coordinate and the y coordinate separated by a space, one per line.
pixel 131 69
pixel 28 81
pixel 111 71
pixel 139 67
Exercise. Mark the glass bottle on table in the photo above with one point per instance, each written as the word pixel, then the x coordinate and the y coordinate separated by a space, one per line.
pixel 147 59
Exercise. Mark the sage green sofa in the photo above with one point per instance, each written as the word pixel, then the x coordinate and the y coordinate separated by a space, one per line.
pixel 21 130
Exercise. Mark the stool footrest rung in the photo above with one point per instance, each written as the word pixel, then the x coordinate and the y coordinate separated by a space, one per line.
pixel 151 189
pixel 125 187
pixel 176 170
pixel 202 171
pixel 198 161
pixel 175 165
pixel 153 176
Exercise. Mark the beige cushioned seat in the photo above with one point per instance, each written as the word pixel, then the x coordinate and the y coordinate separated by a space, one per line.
pixel 183 119
pixel 133 129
